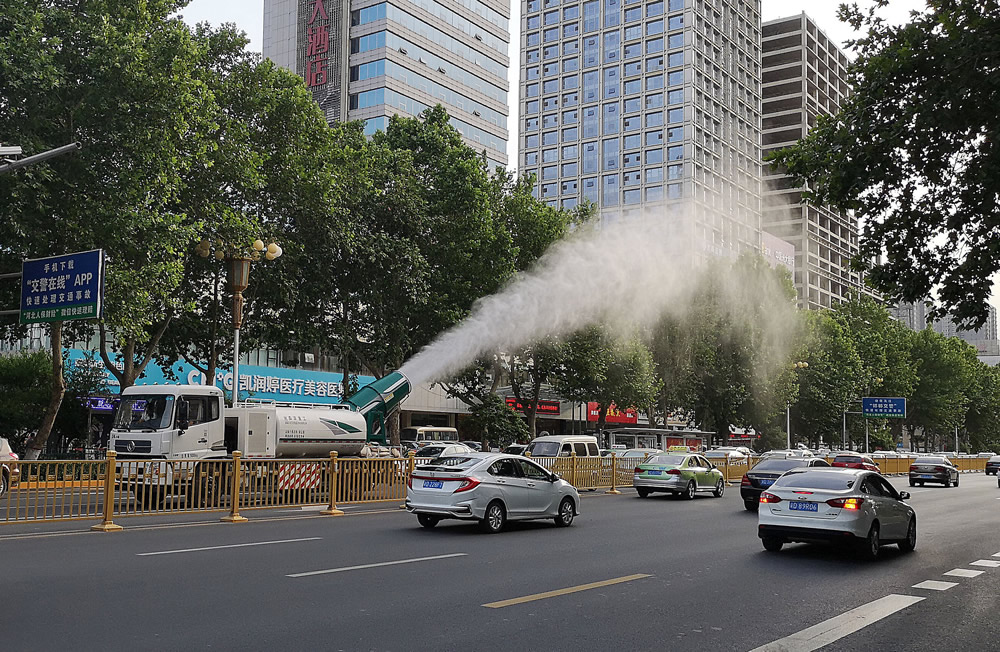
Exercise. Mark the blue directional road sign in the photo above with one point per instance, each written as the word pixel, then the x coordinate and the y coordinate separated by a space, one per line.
pixel 883 408
pixel 62 288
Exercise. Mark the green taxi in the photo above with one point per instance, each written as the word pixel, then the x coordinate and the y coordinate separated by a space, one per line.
pixel 681 473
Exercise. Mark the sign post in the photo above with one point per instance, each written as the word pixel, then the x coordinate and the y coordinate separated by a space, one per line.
pixel 62 288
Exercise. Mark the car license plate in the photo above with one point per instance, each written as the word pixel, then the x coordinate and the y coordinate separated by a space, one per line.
pixel 926 475
pixel 654 472
pixel 766 483
pixel 799 506
pixel 433 484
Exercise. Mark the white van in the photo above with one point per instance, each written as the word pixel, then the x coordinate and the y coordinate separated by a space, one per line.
pixel 564 446
pixel 423 435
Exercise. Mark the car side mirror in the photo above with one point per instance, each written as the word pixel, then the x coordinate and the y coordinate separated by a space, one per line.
pixel 555 477
pixel 904 495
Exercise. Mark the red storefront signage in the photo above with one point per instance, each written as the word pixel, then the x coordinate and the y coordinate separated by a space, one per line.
pixel 615 415
pixel 318 48
pixel 544 407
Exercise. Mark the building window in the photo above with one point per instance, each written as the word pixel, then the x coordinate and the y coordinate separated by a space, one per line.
pixel 654 137
pixel 610 192
pixel 632 51
pixel 632 105
pixel 674 153
pixel 590 157
pixel 612 47
pixel 654 82
pixel 532 56
pixel 675 40
pixel 675 115
pixel 611 158
pixel 550 155
pixel 610 83
pixel 654 64
pixel 632 123
pixel 570 133
pixel 549 189
pixel 551 35
pixel 531 124
pixel 633 86
pixel 675 59
pixel 570 82
pixel 674 191
pixel 590 189
pixel 591 51
pixel 591 16
pixel 531 140
pixel 569 151
pixel 654 175
pixel 571 99
pixel 570 170
pixel 610 119
pixel 673 172
pixel 550 172
pixel 591 82
pixel 550 138
pixel 634 68
pixel 675 134
pixel 676 22
pixel 551 17
pixel 532 39
pixel 654 45
pixel 632 160
pixel 531 158
pixel 570 117
pixel 571 29
pixel 571 65
pixel 533 22
pixel 654 194
pixel 632 178
pixel 571 47
pixel 631 142
pixel 550 120
pixel 654 9
pixel 571 13
pixel 631 196
pixel 612 12
pixel 675 78
pixel 654 119
pixel 654 156
pixel 654 27
pixel 550 86
pixel 550 52
pixel 531 90
pixel 633 14
pixel 675 97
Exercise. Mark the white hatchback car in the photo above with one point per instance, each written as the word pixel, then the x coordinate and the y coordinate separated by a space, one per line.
pixel 837 505
pixel 491 488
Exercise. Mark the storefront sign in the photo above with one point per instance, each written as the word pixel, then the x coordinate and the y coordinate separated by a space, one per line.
pixel 278 384
pixel 544 407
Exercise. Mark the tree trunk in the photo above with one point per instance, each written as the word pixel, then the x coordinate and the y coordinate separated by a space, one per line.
pixel 55 398
pixel 602 418
pixel 392 425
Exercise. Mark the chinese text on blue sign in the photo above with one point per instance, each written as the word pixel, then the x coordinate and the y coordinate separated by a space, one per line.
pixel 62 288
pixel 884 408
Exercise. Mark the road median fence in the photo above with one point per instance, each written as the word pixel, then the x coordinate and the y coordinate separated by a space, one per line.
pixel 83 489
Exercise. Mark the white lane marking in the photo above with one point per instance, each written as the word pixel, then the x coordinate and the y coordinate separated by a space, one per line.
pixel 963 572
pixel 988 563
pixel 934 585
pixel 384 563
pixel 235 545
pixel 836 628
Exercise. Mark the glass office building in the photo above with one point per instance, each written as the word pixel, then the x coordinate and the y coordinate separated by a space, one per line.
pixel 643 105
pixel 367 60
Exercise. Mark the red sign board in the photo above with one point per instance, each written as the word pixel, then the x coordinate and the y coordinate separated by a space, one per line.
pixel 318 46
pixel 615 415
pixel 544 407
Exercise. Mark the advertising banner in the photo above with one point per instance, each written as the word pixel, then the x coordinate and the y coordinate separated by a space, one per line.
pixel 62 288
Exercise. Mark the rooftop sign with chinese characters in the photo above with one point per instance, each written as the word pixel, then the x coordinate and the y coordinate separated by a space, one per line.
pixel 62 288
pixel 884 408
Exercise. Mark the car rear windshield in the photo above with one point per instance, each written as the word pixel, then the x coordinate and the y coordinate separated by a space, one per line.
pixel 932 460
pixel 450 463
pixel 995 458
pixel 430 451
pixel 666 459
pixel 816 480
pixel 847 458
pixel 779 465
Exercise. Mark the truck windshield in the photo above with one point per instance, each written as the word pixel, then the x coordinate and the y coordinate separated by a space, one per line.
pixel 145 412
pixel 544 448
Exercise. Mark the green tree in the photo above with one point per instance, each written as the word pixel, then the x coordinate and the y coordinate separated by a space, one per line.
pixel 939 401
pixel 598 367
pixel 116 76
pixel 830 380
pixel 913 152
pixel 529 369
pixel 490 415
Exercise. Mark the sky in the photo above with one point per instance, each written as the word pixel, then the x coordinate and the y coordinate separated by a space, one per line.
pixel 248 15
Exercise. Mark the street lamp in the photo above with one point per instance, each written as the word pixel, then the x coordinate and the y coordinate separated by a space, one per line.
pixel 238 281
pixel 788 410
pixel 878 381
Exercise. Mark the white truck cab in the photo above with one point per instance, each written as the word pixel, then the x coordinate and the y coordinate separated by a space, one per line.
pixel 175 421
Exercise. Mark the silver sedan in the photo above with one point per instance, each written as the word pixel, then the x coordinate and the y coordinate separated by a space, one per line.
pixel 491 488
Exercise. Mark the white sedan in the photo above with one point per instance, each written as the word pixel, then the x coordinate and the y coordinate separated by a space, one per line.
pixel 837 505
pixel 491 488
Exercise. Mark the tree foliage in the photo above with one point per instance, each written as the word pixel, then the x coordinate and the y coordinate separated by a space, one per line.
pixel 914 153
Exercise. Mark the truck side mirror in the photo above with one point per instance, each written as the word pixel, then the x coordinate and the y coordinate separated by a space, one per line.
pixel 182 425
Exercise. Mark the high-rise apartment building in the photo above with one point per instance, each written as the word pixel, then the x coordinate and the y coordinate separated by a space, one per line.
pixel 640 105
pixel 370 59
pixel 805 76
pixel 911 315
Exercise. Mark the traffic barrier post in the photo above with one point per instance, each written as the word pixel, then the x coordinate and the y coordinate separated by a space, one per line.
pixel 234 514
pixel 332 509
pixel 410 465
pixel 106 525
pixel 573 468
pixel 614 476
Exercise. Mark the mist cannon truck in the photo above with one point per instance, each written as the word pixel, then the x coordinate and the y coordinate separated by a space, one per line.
pixel 191 422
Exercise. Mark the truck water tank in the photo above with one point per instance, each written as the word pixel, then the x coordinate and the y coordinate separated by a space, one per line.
pixel 314 432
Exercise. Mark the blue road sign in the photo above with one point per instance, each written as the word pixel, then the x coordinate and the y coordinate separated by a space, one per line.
pixel 884 408
pixel 62 288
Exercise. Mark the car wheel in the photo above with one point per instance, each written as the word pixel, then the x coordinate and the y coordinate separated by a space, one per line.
pixel 720 488
pixel 565 518
pixel 427 520
pixel 494 519
pixel 642 492
pixel 913 483
pixel 921 483
pixel 691 491
pixel 956 480
pixel 910 542
pixel 3 484
pixel 771 544
pixel 751 507
pixel 870 546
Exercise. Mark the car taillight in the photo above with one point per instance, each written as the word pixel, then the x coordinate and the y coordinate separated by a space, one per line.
pixel 913 467
pixel 638 470
pixel 467 484
pixel 767 497
pixel 846 503
pixel 745 482
pixel 409 481
pixel 674 472
pixel 14 457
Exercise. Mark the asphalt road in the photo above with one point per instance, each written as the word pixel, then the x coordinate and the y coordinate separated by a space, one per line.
pixel 688 575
